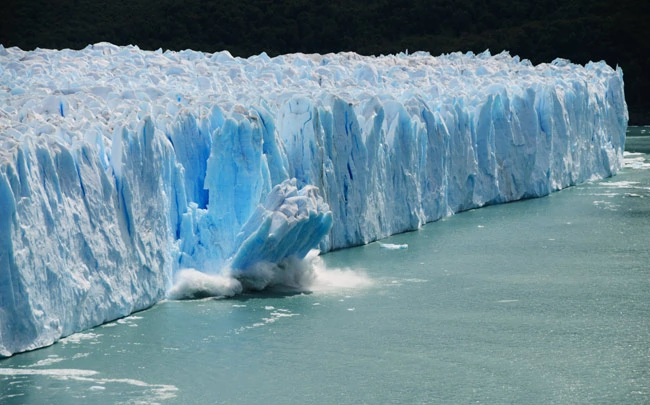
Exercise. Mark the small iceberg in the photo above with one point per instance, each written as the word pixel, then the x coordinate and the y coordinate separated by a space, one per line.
pixel 393 246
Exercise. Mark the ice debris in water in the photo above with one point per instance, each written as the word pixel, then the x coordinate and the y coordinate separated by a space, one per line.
pixel 392 246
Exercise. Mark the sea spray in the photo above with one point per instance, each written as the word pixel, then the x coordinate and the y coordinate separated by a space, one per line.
pixel 289 275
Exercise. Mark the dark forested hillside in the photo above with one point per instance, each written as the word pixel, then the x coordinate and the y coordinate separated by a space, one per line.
pixel 579 30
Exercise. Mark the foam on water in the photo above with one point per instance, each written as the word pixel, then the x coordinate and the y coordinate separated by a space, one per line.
pixel 154 392
pixel 54 372
pixel 48 362
pixel 635 160
pixel 624 185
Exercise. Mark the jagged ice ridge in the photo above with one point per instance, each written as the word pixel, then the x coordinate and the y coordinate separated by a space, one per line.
pixel 120 168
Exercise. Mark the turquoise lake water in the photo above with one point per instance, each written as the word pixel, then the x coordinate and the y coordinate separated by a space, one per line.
pixel 543 301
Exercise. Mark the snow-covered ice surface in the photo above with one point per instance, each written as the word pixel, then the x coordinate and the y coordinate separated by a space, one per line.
pixel 121 168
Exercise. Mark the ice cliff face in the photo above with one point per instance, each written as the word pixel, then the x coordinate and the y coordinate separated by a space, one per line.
pixel 120 167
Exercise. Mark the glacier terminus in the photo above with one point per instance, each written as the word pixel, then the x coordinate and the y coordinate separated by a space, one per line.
pixel 121 169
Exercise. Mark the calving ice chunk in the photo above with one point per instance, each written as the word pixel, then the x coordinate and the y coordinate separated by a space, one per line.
pixel 291 222
pixel 123 170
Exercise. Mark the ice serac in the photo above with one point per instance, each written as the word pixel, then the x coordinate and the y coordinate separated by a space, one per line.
pixel 120 168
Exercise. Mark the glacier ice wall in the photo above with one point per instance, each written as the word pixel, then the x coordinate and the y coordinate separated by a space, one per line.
pixel 121 167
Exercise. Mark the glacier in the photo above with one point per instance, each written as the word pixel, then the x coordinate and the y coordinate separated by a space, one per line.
pixel 121 169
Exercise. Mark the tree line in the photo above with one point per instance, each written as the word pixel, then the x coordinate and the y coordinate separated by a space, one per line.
pixel 578 30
